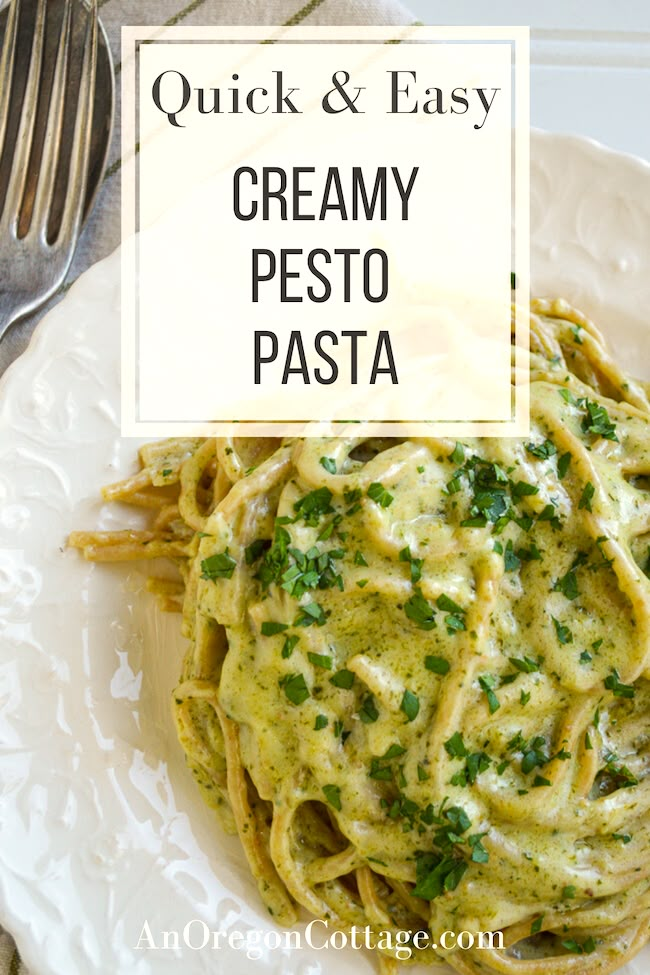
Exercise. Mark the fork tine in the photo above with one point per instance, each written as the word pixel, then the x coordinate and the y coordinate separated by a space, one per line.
pixel 78 175
pixel 52 142
pixel 7 66
pixel 18 175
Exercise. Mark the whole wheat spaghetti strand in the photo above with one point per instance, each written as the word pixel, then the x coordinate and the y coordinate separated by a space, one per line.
pixel 261 865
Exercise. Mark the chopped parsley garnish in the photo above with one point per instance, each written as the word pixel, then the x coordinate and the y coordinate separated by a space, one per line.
pixel 314 505
pixel 379 772
pixel 393 751
pixel 563 465
pixel 511 561
pixel 310 570
pixel 549 513
pixel 536 926
pixel 568 397
pixel 333 795
pixel 568 893
pixel 377 492
pixel 326 532
pixel 479 853
pixel 310 614
pixel 475 763
pixel 624 837
pixel 437 875
pixel 488 505
pixel 487 483
pixel 586 497
pixel 353 498
pixel 597 421
pixel 562 632
pixel 518 743
pixel 329 464
pixel 416 564
pixel 441 869
pixel 543 450
pixel 540 781
pixel 437 665
pixel 270 628
pixel 320 722
pixel 368 712
pixel 524 698
pixel 256 549
pixel 534 757
pixel 410 705
pixel 488 683
pixel 457 456
pixel 359 559
pixel 585 657
pixel 220 566
pixel 420 611
pixel 343 678
pixel 275 559
pixel 534 752
pixel 522 489
pixel 385 773
pixel 455 619
pixel 613 683
pixel 295 688
pixel 586 948
pixel 618 774
pixel 604 560
pixel 525 664
pixel 320 660
pixel 563 754
pixel 455 746
pixel 289 645
pixel 568 583
pixel 531 554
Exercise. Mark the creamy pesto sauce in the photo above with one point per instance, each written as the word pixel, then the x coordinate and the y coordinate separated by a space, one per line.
pixel 574 642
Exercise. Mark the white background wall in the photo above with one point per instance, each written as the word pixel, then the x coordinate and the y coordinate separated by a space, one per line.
pixel 590 61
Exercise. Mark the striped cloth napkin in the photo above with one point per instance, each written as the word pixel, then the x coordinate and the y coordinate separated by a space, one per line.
pixel 102 233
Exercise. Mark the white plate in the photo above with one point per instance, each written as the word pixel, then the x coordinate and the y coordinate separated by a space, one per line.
pixel 101 825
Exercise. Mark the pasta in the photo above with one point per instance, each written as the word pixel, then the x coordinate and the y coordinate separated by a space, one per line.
pixel 417 683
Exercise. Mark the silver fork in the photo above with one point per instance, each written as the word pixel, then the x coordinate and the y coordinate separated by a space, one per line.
pixel 32 265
